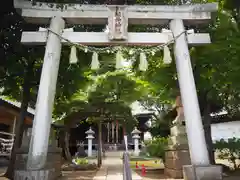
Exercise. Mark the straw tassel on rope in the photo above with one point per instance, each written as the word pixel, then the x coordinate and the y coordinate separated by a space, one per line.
pixel 73 55
pixel 143 65
pixel 119 60
pixel 95 64
pixel 167 58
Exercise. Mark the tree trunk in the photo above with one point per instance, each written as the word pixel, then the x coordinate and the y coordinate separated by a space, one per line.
pixel 99 144
pixel 61 141
pixel 66 146
pixel 208 134
pixel 20 127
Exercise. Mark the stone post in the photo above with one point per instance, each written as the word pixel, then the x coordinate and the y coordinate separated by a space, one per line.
pixel 108 132
pixel 177 153
pixel 117 128
pixel 194 127
pixel 136 137
pixel 26 138
pixel 90 137
pixel 113 133
pixel 46 93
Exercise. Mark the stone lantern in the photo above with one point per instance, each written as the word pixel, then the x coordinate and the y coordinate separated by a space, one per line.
pixel 136 136
pixel 90 137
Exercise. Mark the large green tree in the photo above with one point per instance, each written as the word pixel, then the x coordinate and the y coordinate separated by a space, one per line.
pixel 107 98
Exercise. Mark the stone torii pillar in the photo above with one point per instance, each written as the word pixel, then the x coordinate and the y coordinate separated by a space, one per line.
pixel 198 153
pixel 43 116
pixel 46 94
pixel 194 127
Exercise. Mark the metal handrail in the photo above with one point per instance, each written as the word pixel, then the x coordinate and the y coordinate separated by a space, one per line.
pixel 127 172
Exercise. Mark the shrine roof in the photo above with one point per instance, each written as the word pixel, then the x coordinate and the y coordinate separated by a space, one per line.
pixel 14 105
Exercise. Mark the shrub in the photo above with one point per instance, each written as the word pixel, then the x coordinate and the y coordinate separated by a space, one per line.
pixel 156 147
pixel 229 149
pixel 81 161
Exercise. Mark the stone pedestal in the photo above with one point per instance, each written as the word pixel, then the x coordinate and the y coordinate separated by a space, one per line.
pixel 210 172
pixel 34 175
pixel 90 138
pixel 136 137
pixel 51 171
pixel 177 153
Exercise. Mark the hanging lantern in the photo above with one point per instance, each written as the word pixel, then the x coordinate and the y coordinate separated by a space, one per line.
pixel 73 55
pixel 95 64
pixel 143 65
pixel 119 60
pixel 167 58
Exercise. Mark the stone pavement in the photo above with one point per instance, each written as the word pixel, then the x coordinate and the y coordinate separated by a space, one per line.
pixel 112 170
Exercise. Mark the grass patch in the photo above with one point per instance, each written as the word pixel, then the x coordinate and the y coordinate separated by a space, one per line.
pixel 155 163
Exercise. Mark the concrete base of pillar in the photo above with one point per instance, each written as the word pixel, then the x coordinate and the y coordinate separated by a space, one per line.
pixel 52 169
pixel 35 174
pixel 211 172
pixel 177 153
pixel 174 161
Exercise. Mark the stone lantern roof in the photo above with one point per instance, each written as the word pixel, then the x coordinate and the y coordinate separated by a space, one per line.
pixel 90 131
pixel 136 131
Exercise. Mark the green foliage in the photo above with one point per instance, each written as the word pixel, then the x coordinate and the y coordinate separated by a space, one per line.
pixel 216 69
pixel 162 128
pixel 107 96
pixel 157 146
pixel 215 66
pixel 81 161
pixel 229 149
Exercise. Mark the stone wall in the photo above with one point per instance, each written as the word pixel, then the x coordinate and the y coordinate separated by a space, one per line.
pixel 225 130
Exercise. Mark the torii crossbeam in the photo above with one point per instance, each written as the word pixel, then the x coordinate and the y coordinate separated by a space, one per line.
pixel 176 16
pixel 41 13
pixel 101 38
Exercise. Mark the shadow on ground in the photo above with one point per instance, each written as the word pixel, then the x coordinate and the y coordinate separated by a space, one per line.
pixel 78 175
pixel 233 175
pixel 159 174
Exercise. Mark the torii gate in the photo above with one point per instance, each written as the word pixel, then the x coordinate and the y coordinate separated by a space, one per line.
pixel 177 16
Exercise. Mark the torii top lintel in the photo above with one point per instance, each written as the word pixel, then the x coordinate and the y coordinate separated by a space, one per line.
pixel 41 13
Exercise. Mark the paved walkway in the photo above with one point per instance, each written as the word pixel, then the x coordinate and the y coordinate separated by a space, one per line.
pixel 112 170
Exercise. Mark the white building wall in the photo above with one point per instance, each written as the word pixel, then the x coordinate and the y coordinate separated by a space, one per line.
pixel 219 131
pixel 225 130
